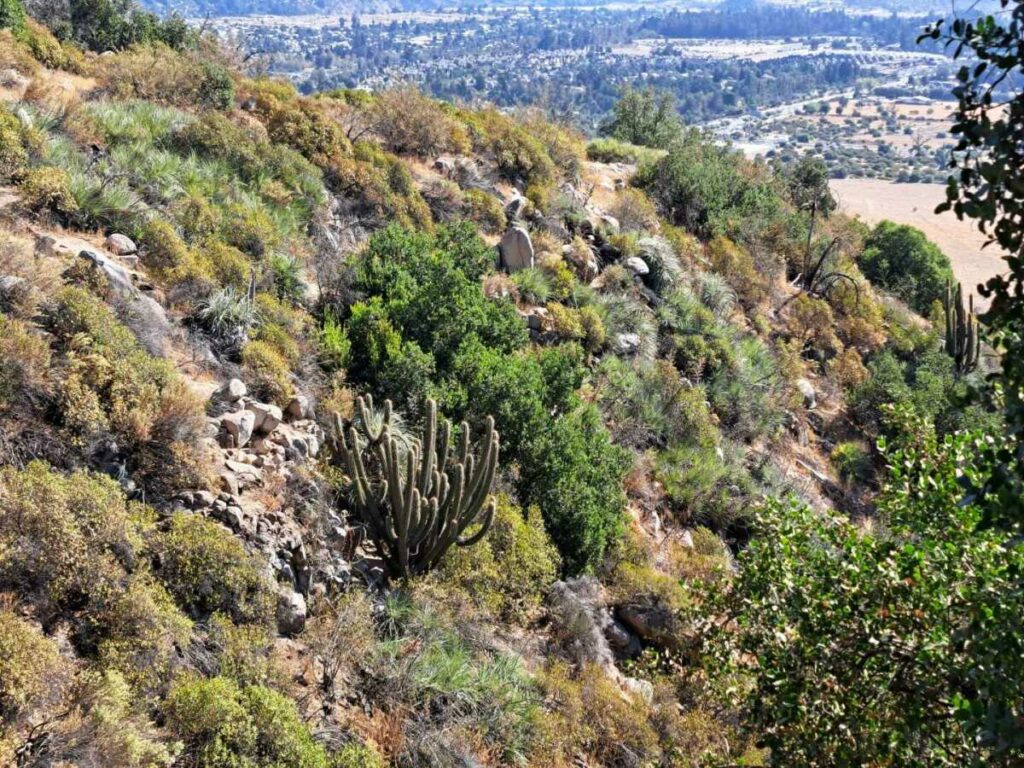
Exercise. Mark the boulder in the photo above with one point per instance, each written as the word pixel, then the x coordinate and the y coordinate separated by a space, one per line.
pixel 291 612
pixel 231 391
pixel 807 390
pixel 516 250
pixel 444 166
pixel 239 426
pixel 268 416
pixel 652 623
pixel 120 245
pixel 637 266
pixel 627 344
pixel 516 208
pixel 298 408
pixel 609 223
pixel 229 483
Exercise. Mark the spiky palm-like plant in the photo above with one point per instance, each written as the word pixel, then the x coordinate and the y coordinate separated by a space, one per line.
pixel 416 496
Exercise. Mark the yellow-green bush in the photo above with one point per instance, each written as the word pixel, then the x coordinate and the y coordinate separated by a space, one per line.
pixel 485 209
pixel 48 50
pixel 587 714
pixel 13 155
pixel 224 726
pixel 24 375
pixel 142 631
pixel 64 538
pixel 31 671
pixel 208 571
pixel 267 372
pixel 509 571
pixel 48 188
pixel 517 154
pixel 736 265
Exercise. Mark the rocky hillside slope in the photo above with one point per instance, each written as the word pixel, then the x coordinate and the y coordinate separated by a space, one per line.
pixel 199 268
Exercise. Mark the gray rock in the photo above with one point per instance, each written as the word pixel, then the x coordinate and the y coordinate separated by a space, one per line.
pixel 516 208
pixel 627 343
pixel 239 425
pixel 120 245
pixel 637 266
pixel 291 612
pixel 609 222
pixel 807 390
pixel 516 250
pixel 444 165
pixel 229 484
pixel 231 391
pixel 298 408
pixel 268 416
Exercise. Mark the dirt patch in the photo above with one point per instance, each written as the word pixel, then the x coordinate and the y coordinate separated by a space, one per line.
pixel 874 200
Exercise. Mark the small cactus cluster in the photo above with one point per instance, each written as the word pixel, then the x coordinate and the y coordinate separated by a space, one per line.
pixel 963 342
pixel 416 496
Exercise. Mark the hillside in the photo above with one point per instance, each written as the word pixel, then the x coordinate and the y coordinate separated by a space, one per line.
pixel 361 429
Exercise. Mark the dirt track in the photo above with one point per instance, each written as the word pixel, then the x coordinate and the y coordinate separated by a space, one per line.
pixel 874 200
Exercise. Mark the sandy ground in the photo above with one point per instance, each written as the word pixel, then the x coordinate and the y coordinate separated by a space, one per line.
pixel 874 200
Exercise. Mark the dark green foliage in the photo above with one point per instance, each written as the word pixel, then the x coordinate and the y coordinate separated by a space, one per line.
pixel 986 185
pixel 574 474
pixel 12 15
pixel 900 259
pixel 963 339
pixel 112 25
pixel 699 185
pixel 645 117
pixel 807 183
pixel 894 645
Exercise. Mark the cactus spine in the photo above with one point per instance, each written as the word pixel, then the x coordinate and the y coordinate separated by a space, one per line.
pixel 417 497
pixel 963 342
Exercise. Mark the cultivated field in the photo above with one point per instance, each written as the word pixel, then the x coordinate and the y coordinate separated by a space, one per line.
pixel 874 200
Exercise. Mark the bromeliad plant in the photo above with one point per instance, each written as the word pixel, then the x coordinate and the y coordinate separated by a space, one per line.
pixel 416 497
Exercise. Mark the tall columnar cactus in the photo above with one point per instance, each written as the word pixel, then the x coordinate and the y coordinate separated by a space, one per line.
pixel 963 342
pixel 417 497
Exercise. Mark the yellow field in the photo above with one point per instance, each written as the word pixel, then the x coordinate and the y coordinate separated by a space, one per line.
pixel 873 200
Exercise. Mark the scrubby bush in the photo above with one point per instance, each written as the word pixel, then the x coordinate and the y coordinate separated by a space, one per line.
pixel 267 372
pixel 223 725
pixel 411 123
pixel 30 671
pixel 508 573
pixel 208 570
pixel 48 188
pixel 485 209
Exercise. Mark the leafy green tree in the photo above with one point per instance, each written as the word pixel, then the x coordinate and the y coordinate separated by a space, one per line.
pixel 987 185
pixel 645 117
pixel 903 261
pixel 807 183
pixel 896 643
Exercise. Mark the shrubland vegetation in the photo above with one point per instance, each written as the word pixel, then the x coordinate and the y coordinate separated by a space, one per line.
pixel 688 396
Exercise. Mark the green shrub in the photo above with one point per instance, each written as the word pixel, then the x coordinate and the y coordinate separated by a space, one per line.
pixel 224 726
pixel 64 538
pixel 208 570
pixel 904 262
pixel 533 284
pixel 609 150
pixel 574 474
pixel 335 346
pixel 13 155
pixel 852 461
pixel 355 755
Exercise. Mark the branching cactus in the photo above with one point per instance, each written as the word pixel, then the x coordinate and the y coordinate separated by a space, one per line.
pixel 417 497
pixel 963 342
